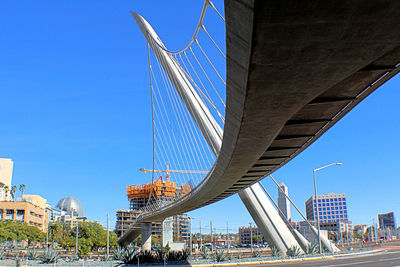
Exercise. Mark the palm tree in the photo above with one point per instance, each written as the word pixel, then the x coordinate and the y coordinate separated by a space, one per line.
pixel 6 189
pixel 22 189
pixel 13 191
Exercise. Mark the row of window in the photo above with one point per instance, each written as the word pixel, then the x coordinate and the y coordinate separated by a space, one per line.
pixel 331 208
pixel 331 199
pixel 332 212
pixel 333 217
pixel 332 204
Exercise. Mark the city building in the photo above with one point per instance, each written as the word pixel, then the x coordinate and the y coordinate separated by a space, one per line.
pixel 245 235
pixel 30 210
pixel 304 228
pixel 6 169
pixel 336 226
pixel 387 220
pixel 283 202
pixel 126 218
pixel 332 207
pixel 141 195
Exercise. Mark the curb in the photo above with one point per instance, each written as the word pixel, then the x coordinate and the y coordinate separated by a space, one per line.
pixel 284 260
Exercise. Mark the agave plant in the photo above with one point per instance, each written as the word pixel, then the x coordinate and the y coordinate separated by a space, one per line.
pixel 72 258
pixel 33 255
pixel 118 254
pixel 312 248
pixel 204 253
pixel 185 254
pixel 256 253
pixel 130 256
pixel 174 256
pixel 293 251
pixel 50 256
pixel 161 255
pixel 220 255
pixel 148 257
pixel 274 251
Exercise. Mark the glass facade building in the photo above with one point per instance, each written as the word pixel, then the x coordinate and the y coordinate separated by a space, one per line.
pixel 387 221
pixel 332 207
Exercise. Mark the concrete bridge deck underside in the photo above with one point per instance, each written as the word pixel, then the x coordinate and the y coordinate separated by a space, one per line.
pixel 294 68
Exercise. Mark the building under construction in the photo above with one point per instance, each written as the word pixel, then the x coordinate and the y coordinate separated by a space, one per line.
pixel 159 192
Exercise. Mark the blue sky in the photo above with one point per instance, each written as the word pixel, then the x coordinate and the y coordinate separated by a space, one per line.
pixel 76 118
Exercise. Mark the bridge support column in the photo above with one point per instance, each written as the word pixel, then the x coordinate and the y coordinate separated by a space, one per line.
pixel 325 241
pixel 167 232
pixel 146 235
pixel 303 242
pixel 267 219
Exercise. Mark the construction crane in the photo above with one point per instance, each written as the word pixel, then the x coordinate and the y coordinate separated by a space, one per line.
pixel 167 171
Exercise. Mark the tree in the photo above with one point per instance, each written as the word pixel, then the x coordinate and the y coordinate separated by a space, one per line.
pixel 18 231
pixel 6 189
pixel 91 236
pixel 22 189
pixel 13 191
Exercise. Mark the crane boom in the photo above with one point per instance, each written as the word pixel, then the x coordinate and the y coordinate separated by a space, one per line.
pixel 175 171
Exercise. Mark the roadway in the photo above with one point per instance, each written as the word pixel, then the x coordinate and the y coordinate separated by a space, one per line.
pixel 387 257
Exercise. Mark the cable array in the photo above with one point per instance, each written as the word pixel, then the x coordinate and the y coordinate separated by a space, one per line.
pixel 181 155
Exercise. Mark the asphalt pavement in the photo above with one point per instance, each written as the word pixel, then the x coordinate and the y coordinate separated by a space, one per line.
pixel 387 257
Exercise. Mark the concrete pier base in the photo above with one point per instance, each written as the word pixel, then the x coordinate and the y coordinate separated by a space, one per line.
pixel 146 235
pixel 167 232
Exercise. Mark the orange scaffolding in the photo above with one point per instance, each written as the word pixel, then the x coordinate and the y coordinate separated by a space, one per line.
pixel 158 188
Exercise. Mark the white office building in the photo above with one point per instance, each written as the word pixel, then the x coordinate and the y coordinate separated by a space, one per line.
pixel 283 202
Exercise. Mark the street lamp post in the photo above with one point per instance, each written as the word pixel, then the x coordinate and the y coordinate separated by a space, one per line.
pixel 190 238
pixel 108 241
pixel 251 237
pixel 316 201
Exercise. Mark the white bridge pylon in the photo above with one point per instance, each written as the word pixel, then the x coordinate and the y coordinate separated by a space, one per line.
pixel 264 214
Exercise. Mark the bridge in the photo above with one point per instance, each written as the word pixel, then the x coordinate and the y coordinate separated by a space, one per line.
pixel 293 69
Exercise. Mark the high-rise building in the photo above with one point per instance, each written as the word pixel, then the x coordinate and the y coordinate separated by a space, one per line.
pixel 283 203
pixel 332 207
pixel 6 169
pixel 387 220
pixel 142 195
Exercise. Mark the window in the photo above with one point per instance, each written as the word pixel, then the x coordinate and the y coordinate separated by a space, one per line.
pixel 9 214
pixel 323 204
pixel 20 215
pixel 319 200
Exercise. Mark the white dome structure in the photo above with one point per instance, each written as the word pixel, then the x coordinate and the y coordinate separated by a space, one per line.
pixel 71 206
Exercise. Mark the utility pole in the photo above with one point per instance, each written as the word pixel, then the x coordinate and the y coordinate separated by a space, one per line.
pixel 108 240
pixel 227 236
pixel 77 231
pixel 211 235
pixel 251 237
pixel 47 236
pixel 201 237
pixel 190 238
pixel 376 237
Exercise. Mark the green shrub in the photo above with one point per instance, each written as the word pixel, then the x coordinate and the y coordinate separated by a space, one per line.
pixel 33 255
pixel 118 254
pixel 50 256
pixel 256 253
pixel 275 251
pixel 220 255
pixel 294 251
pixel 204 253
pixel 312 248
